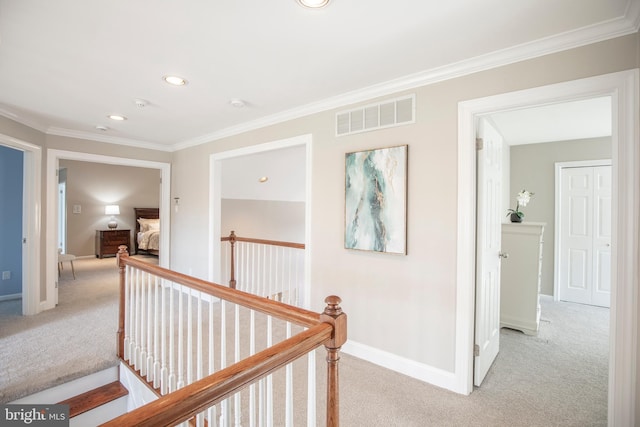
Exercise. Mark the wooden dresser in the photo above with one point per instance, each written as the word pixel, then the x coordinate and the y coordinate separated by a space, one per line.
pixel 520 276
pixel 107 241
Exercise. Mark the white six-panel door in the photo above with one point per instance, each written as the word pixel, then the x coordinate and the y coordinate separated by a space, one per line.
pixel 585 235
pixel 488 242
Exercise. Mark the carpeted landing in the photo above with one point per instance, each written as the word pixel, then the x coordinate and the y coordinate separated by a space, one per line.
pixel 74 339
pixel 557 378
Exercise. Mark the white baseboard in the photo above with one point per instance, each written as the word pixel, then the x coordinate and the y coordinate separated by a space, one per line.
pixel 411 368
pixel 10 297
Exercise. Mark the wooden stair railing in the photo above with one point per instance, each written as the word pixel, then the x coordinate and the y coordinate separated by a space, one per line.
pixel 233 239
pixel 92 399
pixel 328 328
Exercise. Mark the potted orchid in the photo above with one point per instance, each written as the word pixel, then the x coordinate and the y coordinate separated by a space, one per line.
pixel 522 200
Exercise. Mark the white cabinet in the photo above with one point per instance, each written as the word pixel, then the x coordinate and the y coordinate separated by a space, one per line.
pixel 520 276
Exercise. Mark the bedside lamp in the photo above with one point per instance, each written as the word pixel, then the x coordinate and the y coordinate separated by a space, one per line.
pixel 112 210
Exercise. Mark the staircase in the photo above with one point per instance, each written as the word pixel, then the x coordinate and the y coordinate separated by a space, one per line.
pixel 92 400
pixel 101 403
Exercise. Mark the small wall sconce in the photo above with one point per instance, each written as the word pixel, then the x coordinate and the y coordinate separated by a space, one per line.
pixel 112 210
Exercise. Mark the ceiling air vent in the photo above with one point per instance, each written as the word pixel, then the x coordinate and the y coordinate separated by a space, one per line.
pixel 389 113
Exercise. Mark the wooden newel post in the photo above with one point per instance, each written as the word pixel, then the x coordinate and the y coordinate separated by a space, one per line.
pixel 122 253
pixel 333 314
pixel 232 240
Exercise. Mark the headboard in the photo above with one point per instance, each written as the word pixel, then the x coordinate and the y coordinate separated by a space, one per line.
pixel 150 213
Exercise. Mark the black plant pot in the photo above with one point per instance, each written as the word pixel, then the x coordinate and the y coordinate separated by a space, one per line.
pixel 515 218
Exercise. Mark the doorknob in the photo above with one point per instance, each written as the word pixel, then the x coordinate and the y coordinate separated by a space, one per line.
pixel 504 255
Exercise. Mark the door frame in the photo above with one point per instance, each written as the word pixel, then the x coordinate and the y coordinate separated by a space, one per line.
pixel 31 211
pixel 559 166
pixel 215 203
pixel 623 89
pixel 53 160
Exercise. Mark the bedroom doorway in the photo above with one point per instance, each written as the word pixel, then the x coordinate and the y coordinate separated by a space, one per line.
pixel 31 197
pixel 623 89
pixel 289 162
pixel 53 162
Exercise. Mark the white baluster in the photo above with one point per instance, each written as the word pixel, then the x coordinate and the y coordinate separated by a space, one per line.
pixel 150 325
pixel 127 312
pixel 224 405
pixel 156 333
pixel 136 354
pixel 180 382
pixel 311 389
pixel 172 372
pixel 189 337
pixel 212 412
pixel 269 413
pixel 199 349
pixel 236 397
pixel 289 388
pixel 132 316
pixel 252 387
pixel 164 373
pixel 143 325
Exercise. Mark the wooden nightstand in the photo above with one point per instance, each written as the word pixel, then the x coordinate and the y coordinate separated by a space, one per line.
pixel 107 242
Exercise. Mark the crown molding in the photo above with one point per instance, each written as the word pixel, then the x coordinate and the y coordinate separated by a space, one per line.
pixel 606 30
pixel 108 139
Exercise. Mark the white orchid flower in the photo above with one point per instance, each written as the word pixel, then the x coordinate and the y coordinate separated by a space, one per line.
pixel 524 197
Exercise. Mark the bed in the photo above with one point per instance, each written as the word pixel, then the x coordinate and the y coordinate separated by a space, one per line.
pixel 147 235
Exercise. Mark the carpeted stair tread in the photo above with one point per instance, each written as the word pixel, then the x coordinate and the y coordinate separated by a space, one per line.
pixel 93 398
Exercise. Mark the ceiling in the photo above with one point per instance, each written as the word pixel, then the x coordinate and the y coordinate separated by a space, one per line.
pixel 588 118
pixel 66 65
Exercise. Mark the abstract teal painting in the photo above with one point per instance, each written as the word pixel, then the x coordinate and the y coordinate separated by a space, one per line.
pixel 376 200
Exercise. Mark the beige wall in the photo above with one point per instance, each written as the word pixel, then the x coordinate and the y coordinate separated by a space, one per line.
pixel 94 185
pixel 533 169
pixel 19 131
pixel 404 305
pixel 264 219
pixel 29 135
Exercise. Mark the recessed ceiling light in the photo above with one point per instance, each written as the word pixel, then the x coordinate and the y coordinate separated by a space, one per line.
pixel 117 117
pixel 238 103
pixel 313 4
pixel 102 128
pixel 140 103
pixel 175 80
pixel 263 179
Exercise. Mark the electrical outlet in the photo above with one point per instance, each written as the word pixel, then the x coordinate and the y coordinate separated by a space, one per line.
pixel 6 275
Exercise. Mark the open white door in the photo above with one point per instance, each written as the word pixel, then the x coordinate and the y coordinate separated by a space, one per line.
pixel 489 215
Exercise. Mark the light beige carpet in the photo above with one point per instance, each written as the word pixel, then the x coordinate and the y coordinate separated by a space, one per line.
pixel 557 378
pixel 76 338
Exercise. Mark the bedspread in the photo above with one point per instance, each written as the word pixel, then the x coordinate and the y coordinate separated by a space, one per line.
pixel 149 240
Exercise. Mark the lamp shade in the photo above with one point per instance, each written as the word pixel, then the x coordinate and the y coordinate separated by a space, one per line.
pixel 112 210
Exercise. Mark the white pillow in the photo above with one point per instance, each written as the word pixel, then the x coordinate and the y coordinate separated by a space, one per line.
pixel 147 224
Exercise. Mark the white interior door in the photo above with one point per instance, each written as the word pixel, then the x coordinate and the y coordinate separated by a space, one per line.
pixel 585 235
pixel 488 241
